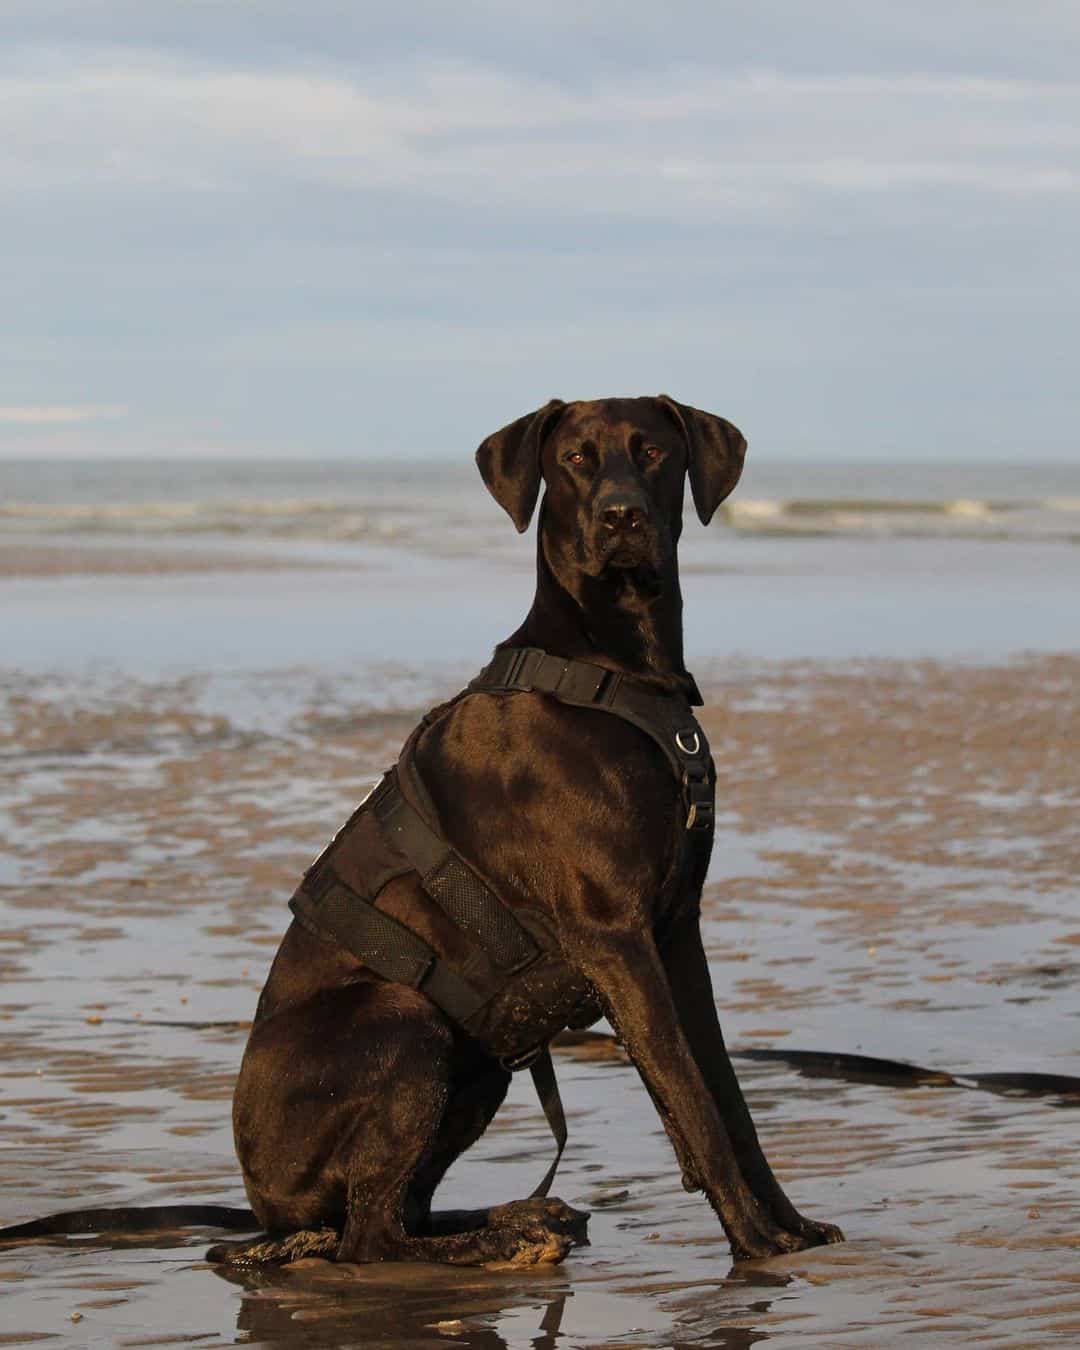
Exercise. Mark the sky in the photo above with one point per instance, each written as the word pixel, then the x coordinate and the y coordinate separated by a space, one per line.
pixel 259 227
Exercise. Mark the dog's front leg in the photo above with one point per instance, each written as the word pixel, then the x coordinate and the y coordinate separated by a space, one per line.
pixel 630 978
pixel 691 985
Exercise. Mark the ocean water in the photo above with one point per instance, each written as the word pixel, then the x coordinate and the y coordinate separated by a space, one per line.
pixel 383 501
pixel 373 566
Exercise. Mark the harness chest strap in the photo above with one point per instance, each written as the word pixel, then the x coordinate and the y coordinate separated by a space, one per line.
pixel 667 719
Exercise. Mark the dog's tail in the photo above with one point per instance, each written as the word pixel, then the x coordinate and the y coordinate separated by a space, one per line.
pixel 130 1219
pixel 136 1220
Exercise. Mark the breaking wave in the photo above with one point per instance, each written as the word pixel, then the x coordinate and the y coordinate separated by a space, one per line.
pixel 960 517
pixel 272 518
pixel 388 522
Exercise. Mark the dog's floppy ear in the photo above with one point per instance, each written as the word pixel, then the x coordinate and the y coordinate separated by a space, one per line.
pixel 509 462
pixel 716 450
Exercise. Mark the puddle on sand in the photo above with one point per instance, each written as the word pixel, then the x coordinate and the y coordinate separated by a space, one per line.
pixel 862 899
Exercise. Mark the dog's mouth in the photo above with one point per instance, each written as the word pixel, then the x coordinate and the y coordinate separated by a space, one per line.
pixel 626 557
pixel 625 551
pixel 636 561
pixel 636 570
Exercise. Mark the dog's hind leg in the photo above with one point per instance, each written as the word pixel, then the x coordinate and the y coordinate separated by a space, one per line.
pixel 390 1187
pixel 349 1108
pixel 471 1107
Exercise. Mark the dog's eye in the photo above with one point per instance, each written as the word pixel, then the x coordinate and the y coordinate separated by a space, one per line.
pixel 575 457
pixel 652 453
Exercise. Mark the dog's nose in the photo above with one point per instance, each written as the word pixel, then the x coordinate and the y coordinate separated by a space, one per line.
pixel 622 516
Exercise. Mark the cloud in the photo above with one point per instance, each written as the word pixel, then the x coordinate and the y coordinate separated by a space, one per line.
pixel 42 415
pixel 572 43
pixel 754 142
pixel 280 226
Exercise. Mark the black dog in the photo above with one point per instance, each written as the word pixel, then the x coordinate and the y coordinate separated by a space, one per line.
pixel 358 1091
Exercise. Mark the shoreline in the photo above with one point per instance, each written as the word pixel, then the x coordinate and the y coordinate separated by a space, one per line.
pixel 30 558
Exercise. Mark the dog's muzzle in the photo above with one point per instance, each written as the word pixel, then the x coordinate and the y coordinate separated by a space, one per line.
pixel 623 533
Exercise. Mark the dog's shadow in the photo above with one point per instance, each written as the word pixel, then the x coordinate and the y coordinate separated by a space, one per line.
pixel 397 1303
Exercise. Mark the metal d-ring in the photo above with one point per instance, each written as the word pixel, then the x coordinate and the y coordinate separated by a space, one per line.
pixel 686 749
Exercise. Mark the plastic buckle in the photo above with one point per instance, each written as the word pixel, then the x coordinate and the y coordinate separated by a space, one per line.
pixel 700 815
pixel 543 673
pixel 530 661
pixel 516 662
pixel 700 794
pixel 607 688
pixel 525 1060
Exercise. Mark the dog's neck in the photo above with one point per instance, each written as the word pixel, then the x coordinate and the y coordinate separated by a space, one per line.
pixel 623 620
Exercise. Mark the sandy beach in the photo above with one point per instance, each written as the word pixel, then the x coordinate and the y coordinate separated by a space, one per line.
pixel 894 875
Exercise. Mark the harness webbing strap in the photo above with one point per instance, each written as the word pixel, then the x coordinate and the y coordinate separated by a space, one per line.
pixel 453 885
pixel 547 1089
pixel 385 946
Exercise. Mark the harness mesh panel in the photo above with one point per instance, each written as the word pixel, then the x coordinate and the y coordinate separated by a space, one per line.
pixel 473 908
pixel 378 940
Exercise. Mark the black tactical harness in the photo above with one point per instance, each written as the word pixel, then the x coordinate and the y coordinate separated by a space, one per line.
pixel 406 841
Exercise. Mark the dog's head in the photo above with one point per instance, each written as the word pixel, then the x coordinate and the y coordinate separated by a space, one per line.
pixel 614 470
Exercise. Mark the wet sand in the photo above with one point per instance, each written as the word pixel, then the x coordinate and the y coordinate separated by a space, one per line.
pixel 160 607
pixel 895 874
pixel 27 558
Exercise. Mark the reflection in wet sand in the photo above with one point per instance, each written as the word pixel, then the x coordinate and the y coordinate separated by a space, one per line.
pixel 894 877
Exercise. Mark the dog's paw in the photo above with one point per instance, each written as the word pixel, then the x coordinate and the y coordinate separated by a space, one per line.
pixel 555 1215
pixel 531 1244
pixel 760 1238
pixel 818 1233
pixel 535 1232
pixel 762 1243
